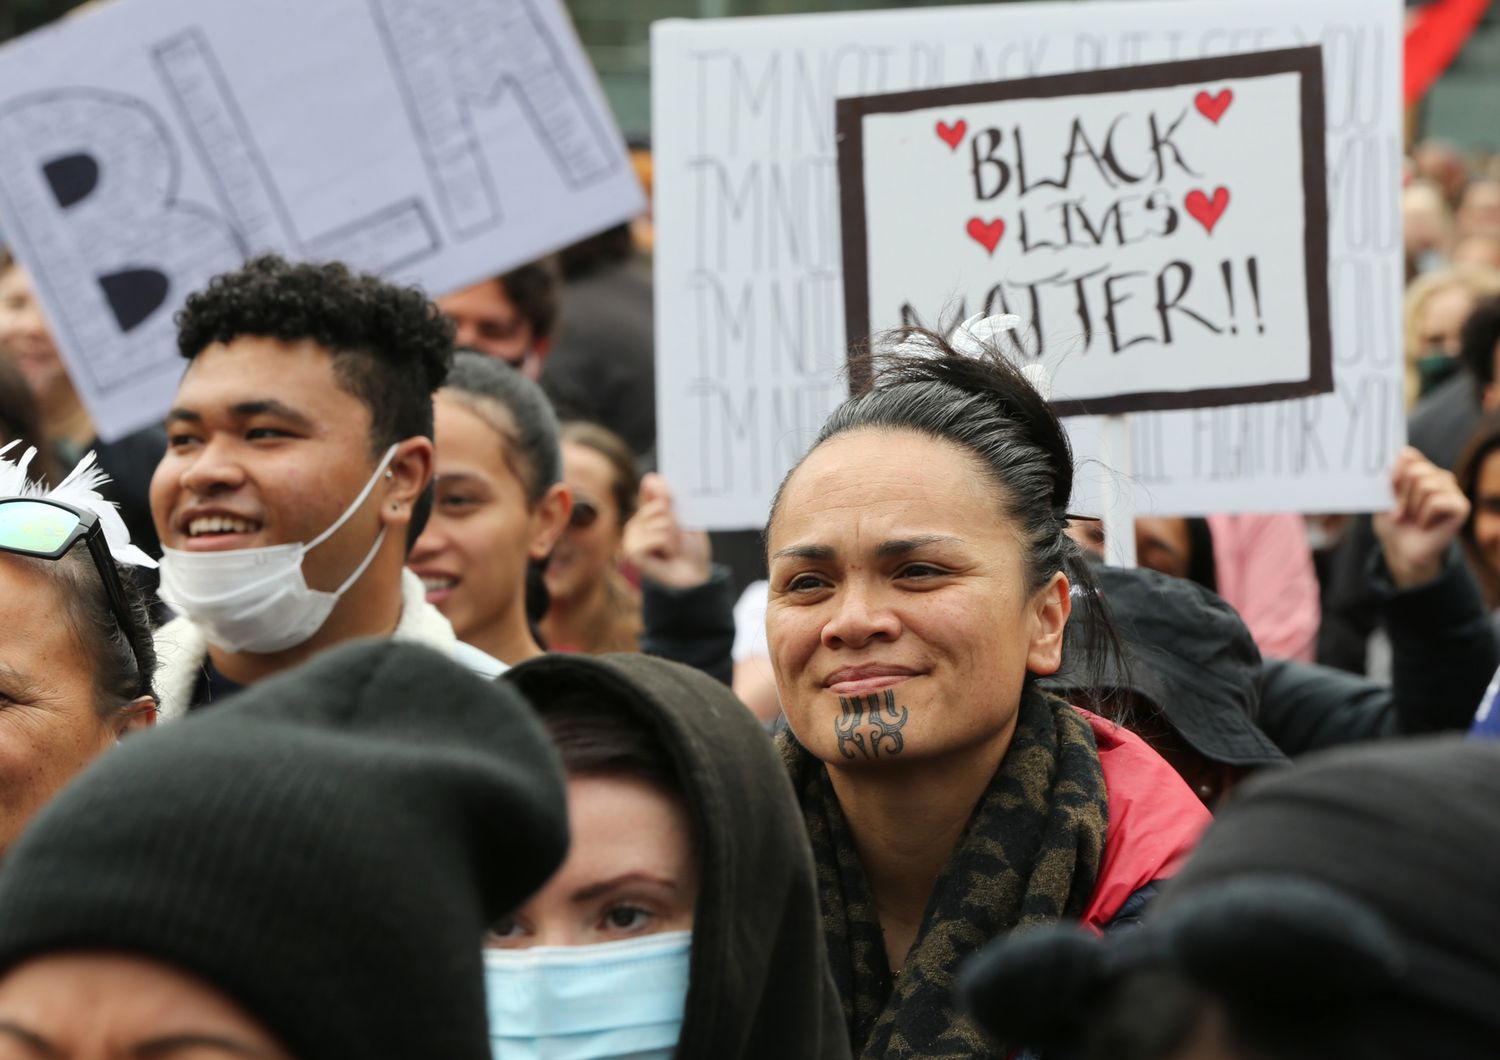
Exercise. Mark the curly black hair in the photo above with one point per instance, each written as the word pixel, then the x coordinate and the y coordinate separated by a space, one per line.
pixel 391 346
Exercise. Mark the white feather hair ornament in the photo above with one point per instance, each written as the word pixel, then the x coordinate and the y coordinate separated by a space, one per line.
pixel 971 338
pixel 980 333
pixel 81 490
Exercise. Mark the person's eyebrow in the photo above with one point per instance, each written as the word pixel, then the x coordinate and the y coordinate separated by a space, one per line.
pixel 180 413
pixel 903 545
pixel 603 887
pixel 812 552
pixel 29 1038
pixel 19 684
pixel 164 1047
pixel 270 407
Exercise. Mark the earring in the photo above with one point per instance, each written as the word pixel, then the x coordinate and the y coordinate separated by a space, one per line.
pixel 390 474
pixel 1205 791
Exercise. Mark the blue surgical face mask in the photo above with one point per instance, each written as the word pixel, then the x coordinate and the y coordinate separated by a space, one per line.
pixel 603 1002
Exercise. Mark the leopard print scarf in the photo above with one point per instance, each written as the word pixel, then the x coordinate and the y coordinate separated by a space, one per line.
pixel 1030 855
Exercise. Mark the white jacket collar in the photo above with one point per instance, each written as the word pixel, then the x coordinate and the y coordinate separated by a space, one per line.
pixel 181 648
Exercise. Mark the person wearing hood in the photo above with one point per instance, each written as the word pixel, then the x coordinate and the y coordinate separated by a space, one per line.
pixel 921 578
pixel 684 922
pixel 304 872
pixel 1341 908
pixel 296 476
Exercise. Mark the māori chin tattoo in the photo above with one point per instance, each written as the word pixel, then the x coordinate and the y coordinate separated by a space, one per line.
pixel 868 726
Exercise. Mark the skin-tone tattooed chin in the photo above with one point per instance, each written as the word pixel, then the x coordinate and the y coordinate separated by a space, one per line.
pixel 870 726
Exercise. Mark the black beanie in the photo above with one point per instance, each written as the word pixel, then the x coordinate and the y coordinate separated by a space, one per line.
pixel 326 849
pixel 1342 907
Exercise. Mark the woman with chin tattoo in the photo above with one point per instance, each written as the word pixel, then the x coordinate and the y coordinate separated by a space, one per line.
pixel 920 580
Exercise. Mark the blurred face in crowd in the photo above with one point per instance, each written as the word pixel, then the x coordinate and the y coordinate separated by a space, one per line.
pixel 103 1006
pixel 265 447
pixel 590 547
pixel 1480 250
pixel 473 554
pixel 631 869
pixel 1440 320
pixel 1161 544
pixel 24 336
pixel 485 319
pixel 900 622
pixel 50 727
pixel 1487 511
pixel 1479 210
pixel 1441 165
pixel 1424 219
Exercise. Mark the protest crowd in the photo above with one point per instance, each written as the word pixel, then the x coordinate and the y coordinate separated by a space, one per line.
pixel 382 697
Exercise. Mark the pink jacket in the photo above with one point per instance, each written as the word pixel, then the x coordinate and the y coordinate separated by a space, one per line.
pixel 1265 571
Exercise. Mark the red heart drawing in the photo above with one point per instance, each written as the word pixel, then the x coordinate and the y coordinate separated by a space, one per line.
pixel 1213 107
pixel 986 234
pixel 952 135
pixel 1204 211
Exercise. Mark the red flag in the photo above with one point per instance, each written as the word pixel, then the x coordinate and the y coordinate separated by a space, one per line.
pixel 1434 38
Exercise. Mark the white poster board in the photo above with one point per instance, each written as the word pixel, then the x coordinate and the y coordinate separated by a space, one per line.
pixel 750 324
pixel 1118 213
pixel 153 143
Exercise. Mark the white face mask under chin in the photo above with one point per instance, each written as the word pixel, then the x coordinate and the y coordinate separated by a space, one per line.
pixel 256 599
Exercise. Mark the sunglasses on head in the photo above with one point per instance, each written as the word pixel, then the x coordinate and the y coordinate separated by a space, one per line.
pixel 47 529
pixel 585 514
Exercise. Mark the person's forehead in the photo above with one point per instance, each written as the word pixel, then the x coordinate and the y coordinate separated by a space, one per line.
pixel 249 370
pixel 486 296
pixel 874 474
pixel 1489 472
pixel 28 589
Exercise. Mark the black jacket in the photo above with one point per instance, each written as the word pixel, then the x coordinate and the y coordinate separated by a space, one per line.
pixel 691 626
pixel 1444 652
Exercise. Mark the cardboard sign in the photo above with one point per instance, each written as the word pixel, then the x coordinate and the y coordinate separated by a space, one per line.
pixel 1162 230
pixel 149 145
pixel 749 272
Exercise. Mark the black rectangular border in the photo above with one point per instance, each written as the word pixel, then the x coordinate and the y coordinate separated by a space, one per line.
pixel 1305 61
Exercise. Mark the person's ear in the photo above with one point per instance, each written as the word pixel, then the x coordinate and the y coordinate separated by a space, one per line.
pixel 550 520
pixel 1489 397
pixel 1050 607
pixel 406 476
pixel 138 714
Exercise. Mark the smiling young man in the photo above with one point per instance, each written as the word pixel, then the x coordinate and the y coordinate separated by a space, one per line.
pixel 300 451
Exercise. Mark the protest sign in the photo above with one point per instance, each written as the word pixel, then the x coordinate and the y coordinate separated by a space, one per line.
pixel 149 145
pixel 750 309
pixel 1118 212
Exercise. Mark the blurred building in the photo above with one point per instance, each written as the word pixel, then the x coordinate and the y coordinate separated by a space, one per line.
pixel 617 36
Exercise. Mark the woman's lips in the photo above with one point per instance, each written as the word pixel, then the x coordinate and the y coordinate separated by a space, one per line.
pixel 859 684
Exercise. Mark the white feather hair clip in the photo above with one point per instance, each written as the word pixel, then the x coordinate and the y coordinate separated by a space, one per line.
pixel 81 490
pixel 978 334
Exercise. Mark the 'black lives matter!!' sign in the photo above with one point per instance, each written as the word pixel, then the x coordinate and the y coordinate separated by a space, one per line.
pixel 1161 230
